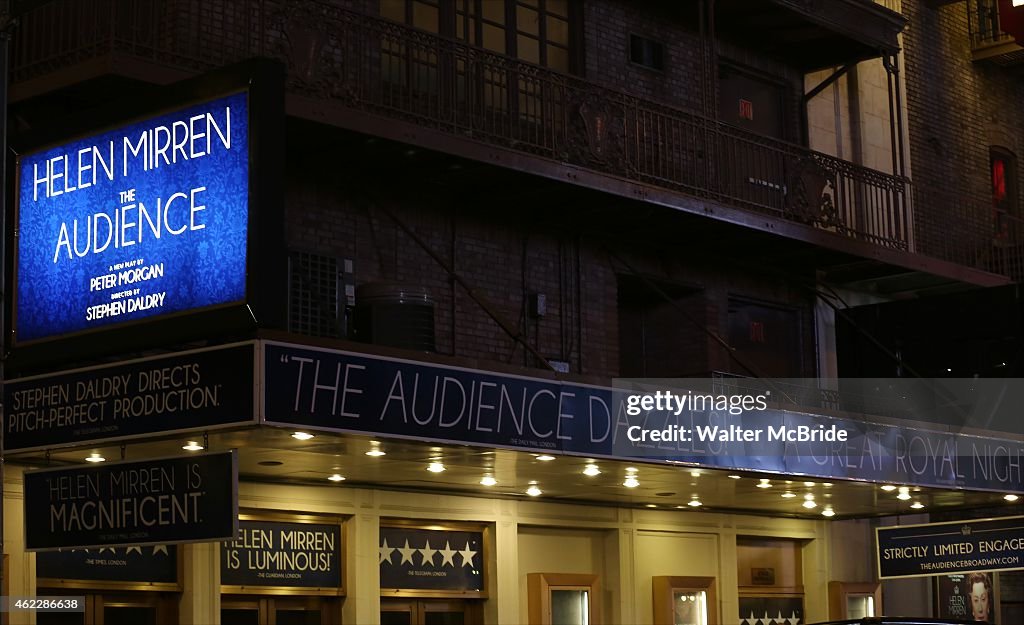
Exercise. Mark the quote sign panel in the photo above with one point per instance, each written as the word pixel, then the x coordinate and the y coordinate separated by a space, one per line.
pixel 141 221
pixel 205 388
pixel 159 501
pixel 275 553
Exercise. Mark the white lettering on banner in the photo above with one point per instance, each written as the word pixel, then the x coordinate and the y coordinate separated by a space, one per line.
pixel 382 395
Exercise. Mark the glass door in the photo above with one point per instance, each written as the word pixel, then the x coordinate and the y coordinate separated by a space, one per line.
pixel 284 610
pixel 427 612
pixel 239 612
pixel 130 608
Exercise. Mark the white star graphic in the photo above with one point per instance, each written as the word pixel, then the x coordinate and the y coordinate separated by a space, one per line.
pixel 428 555
pixel 159 548
pixel 765 620
pixel 385 552
pixel 467 556
pixel 794 620
pixel 746 621
pixel 137 549
pixel 447 555
pixel 407 553
pixel 110 549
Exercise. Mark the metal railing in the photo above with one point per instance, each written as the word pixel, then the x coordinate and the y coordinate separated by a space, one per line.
pixel 371 64
pixel 967 230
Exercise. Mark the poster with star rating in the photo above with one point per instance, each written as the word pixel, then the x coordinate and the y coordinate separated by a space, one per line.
pixel 156 564
pixel 771 611
pixel 422 559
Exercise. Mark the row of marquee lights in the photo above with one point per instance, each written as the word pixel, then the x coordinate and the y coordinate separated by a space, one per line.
pixel 631 479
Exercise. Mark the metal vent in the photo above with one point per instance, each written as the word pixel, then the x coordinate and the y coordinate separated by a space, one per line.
pixel 314 295
pixel 395 314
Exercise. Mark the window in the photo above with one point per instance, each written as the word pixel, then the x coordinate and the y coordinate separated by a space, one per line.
pixel 660 331
pixel 535 31
pixel 1005 201
pixel 647 52
pixel 436 82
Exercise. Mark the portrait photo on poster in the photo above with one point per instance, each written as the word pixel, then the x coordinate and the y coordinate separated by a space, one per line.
pixel 968 596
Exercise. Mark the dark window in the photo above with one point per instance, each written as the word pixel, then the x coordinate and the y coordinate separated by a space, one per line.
pixel 536 31
pixel 1005 200
pixel 659 329
pixel 647 52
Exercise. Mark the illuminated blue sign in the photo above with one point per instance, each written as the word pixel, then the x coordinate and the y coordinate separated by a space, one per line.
pixel 147 219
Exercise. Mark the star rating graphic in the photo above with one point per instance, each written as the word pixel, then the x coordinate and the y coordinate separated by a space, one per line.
pixel 467 556
pixel 768 620
pixel 447 554
pixel 427 553
pixel 407 553
pixel 127 551
pixel 385 552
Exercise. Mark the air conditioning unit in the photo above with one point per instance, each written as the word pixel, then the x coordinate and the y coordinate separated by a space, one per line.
pixel 396 315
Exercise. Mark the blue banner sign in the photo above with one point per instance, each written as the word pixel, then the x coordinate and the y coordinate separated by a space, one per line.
pixel 161 501
pixel 271 553
pixel 351 392
pixel 147 219
pixel 954 547
pixel 440 560
pixel 150 564
pixel 197 389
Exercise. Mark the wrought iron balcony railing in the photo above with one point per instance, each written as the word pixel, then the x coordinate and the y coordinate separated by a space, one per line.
pixel 969 231
pixel 988 41
pixel 365 63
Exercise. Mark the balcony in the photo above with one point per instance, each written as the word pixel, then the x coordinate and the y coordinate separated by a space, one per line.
pixel 383 78
pixel 988 42
pixel 813 34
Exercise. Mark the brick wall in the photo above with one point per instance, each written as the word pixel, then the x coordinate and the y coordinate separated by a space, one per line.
pixel 607 25
pixel 956 108
pixel 511 240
